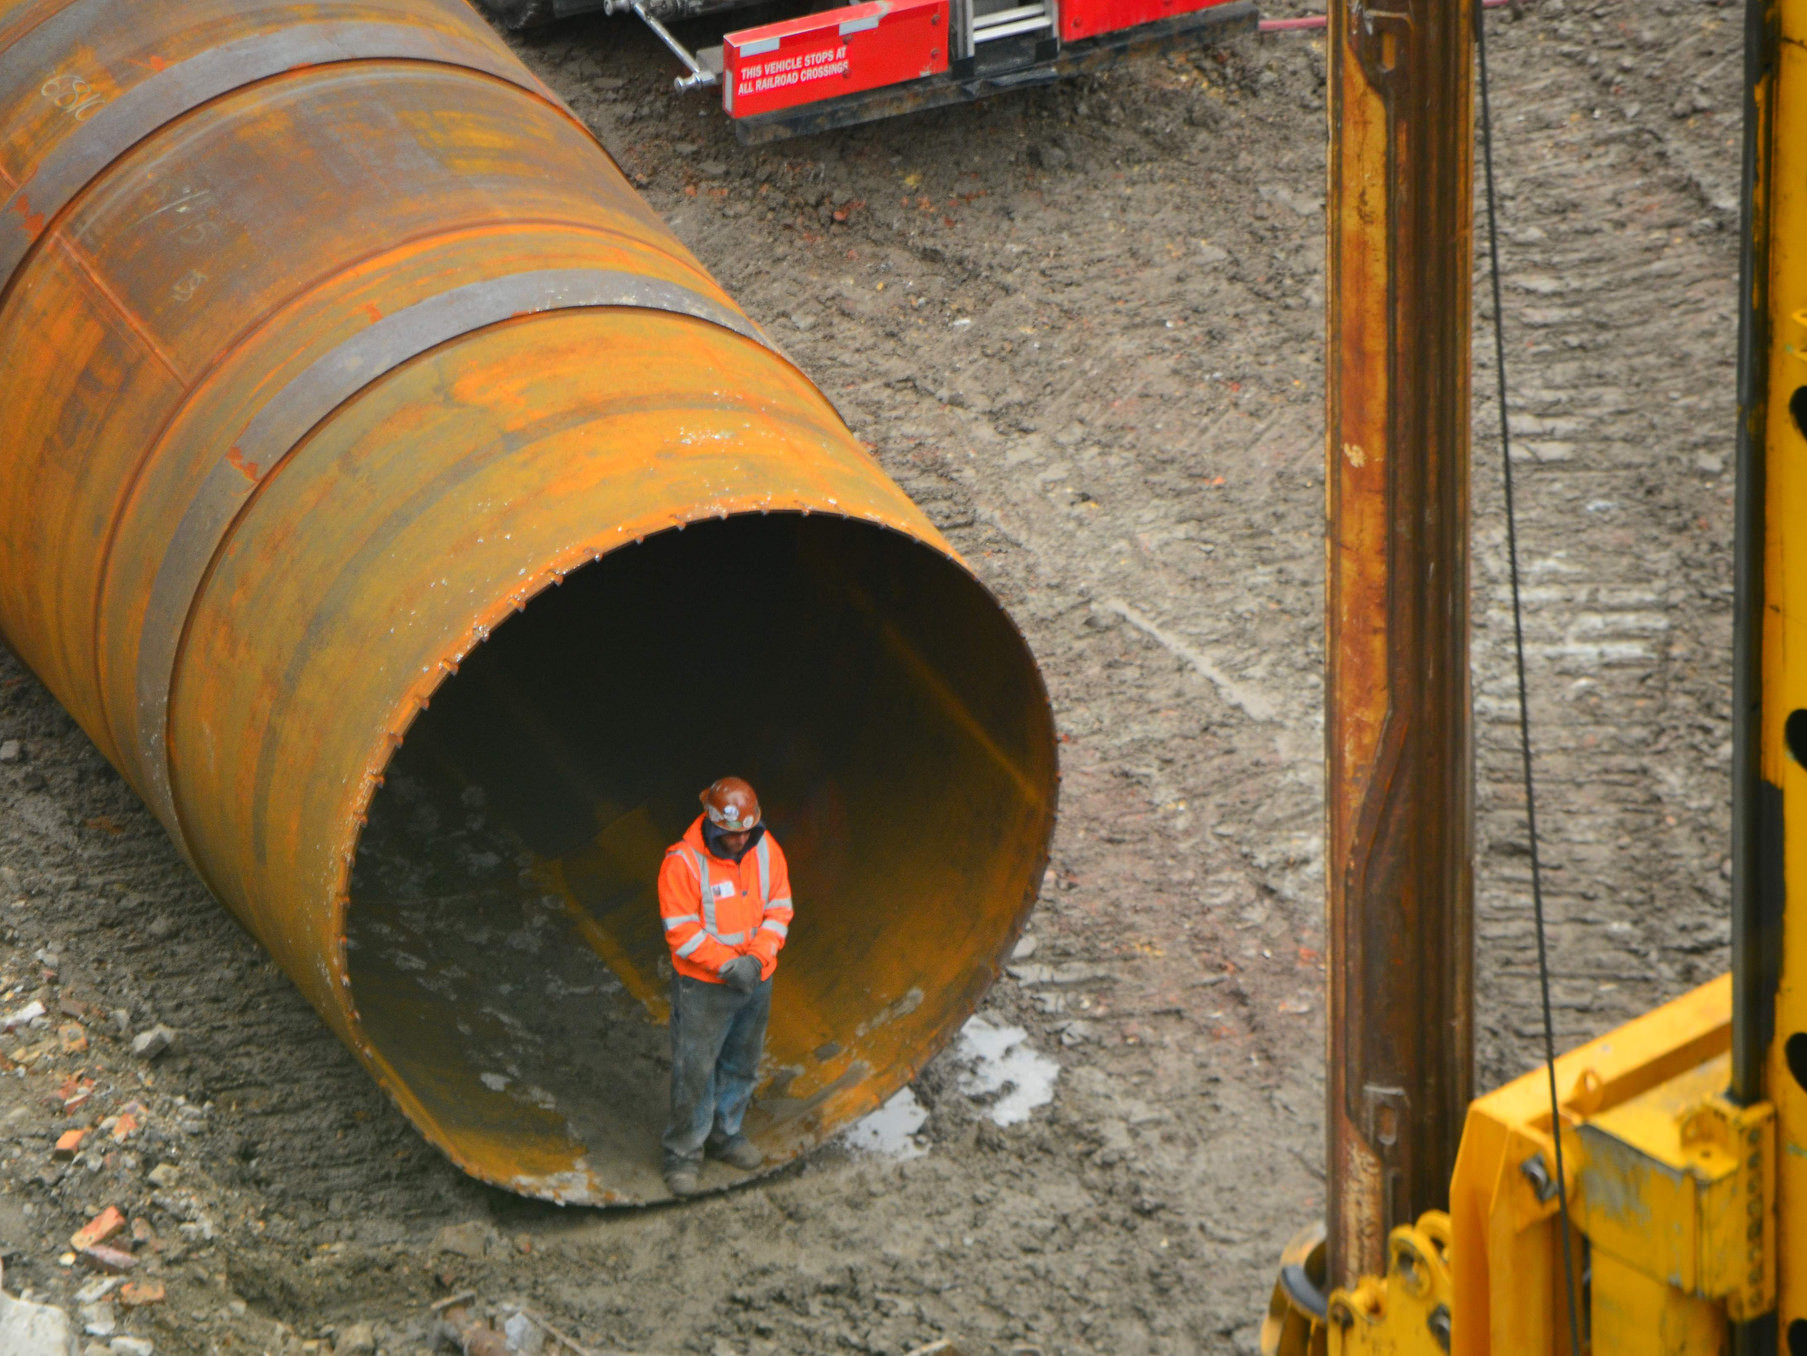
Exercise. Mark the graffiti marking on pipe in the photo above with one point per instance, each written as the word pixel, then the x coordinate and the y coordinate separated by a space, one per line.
pixel 196 232
pixel 187 285
pixel 177 204
pixel 74 96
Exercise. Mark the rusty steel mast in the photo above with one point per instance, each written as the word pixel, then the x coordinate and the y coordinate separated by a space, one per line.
pixel 1398 729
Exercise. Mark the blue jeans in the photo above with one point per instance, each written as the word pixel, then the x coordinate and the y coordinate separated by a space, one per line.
pixel 717 1035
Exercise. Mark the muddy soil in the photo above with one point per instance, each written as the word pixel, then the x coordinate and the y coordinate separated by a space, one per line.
pixel 1081 327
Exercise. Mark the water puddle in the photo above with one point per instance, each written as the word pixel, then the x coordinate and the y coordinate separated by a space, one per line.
pixel 1001 1070
pixel 892 1129
pixel 1005 1068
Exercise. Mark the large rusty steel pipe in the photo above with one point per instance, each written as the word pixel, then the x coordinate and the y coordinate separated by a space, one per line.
pixel 329 343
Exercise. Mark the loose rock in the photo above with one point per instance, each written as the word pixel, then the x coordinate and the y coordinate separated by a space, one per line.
pixel 28 1329
pixel 152 1043
pixel 137 1294
pixel 98 1230
pixel 470 1239
pixel 22 1017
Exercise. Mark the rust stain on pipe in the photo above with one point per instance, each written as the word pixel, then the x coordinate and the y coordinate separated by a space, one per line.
pixel 330 342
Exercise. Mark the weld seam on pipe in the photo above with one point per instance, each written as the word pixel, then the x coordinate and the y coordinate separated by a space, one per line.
pixel 149 108
pixel 287 418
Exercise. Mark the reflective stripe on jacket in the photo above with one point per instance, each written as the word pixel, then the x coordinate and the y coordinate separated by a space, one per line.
pixel 715 909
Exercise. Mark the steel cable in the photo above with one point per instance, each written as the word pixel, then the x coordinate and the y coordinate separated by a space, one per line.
pixel 1524 705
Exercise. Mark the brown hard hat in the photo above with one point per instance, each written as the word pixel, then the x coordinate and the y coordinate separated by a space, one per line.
pixel 731 805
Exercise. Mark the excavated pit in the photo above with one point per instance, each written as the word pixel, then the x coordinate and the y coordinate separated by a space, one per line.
pixel 504 946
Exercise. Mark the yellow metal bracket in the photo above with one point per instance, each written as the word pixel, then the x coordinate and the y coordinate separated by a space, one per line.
pixel 1677 1185
pixel 1671 1190
pixel 1407 1312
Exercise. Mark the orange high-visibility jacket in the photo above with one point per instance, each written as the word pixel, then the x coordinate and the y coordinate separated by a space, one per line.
pixel 715 910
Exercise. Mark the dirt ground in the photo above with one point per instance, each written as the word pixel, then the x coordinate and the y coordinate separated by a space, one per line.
pixel 1081 326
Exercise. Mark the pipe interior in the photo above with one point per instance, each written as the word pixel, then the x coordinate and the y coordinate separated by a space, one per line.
pixel 504 943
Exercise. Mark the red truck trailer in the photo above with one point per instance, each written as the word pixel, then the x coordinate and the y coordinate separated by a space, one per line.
pixel 877 58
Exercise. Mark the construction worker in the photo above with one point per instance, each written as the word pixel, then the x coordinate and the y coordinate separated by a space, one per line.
pixel 725 896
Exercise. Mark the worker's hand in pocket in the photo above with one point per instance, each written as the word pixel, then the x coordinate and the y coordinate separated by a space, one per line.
pixel 742 973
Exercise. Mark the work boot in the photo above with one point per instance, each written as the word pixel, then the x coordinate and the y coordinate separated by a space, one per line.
pixel 681 1181
pixel 737 1153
